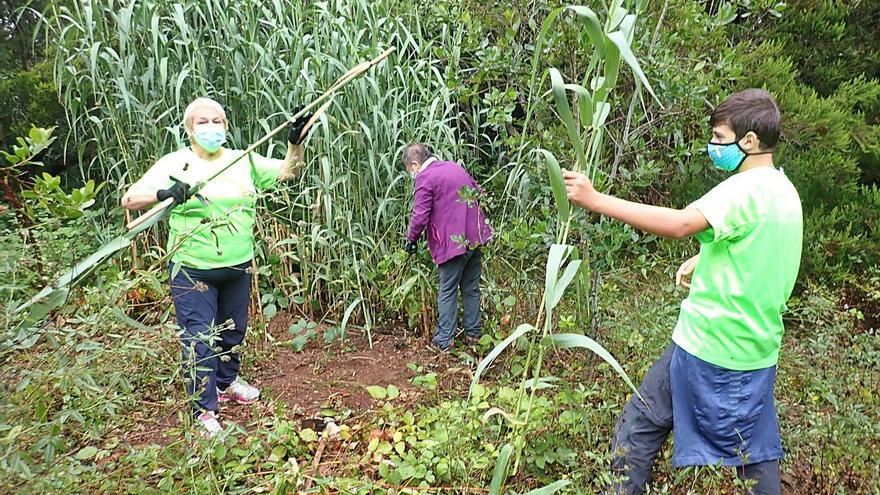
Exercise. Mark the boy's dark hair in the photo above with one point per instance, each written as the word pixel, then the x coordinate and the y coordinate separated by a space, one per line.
pixel 415 152
pixel 750 110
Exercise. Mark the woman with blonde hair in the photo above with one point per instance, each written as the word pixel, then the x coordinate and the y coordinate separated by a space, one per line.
pixel 211 242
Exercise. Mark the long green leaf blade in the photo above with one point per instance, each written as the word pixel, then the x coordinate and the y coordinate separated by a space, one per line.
pixel 554 263
pixel 567 276
pixel 594 27
pixel 500 473
pixel 619 40
pixel 569 340
pixel 550 489
pixel 563 206
pixel 494 353
pixel 560 97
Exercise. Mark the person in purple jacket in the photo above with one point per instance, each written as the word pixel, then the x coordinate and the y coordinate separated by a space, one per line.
pixel 447 206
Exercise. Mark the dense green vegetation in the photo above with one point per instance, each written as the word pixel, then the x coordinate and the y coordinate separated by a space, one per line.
pixel 472 79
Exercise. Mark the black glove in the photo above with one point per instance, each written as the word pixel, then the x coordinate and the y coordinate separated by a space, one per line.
pixel 294 134
pixel 179 191
pixel 410 247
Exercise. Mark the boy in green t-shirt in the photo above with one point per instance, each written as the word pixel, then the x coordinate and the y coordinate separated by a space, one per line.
pixel 713 387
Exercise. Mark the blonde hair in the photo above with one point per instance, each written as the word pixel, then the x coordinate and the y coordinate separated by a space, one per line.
pixel 189 113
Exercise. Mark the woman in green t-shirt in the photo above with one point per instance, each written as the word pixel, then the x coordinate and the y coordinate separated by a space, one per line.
pixel 211 242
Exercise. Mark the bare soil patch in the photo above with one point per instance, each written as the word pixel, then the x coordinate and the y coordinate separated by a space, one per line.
pixel 335 376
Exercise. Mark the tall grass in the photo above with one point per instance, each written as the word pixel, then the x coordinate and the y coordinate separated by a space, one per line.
pixel 609 44
pixel 128 69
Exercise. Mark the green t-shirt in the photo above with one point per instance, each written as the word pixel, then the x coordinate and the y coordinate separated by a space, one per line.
pixel 749 259
pixel 220 233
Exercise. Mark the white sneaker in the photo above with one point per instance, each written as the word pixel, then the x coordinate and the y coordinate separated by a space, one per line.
pixel 239 391
pixel 209 423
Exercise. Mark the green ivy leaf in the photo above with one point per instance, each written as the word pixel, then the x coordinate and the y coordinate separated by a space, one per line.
pixel 86 453
pixel 393 392
pixel 377 392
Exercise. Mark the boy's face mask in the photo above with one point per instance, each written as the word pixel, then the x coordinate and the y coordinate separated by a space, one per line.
pixel 726 156
pixel 729 156
pixel 210 136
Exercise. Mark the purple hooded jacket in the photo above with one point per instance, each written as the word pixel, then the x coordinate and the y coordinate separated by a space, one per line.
pixel 447 205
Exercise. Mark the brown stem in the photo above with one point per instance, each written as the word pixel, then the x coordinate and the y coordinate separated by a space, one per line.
pixel 11 197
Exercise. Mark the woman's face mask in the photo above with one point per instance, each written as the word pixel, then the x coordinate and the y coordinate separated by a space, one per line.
pixel 210 136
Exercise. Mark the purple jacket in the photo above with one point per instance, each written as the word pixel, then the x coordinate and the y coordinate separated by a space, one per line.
pixel 447 205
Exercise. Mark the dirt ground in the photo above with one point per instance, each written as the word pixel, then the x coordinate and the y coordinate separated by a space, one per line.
pixel 321 380
pixel 335 376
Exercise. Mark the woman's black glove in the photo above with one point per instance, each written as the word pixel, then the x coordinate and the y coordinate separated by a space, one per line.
pixel 179 191
pixel 410 247
pixel 295 132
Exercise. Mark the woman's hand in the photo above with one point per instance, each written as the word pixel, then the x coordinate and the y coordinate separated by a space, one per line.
pixel 180 191
pixel 297 130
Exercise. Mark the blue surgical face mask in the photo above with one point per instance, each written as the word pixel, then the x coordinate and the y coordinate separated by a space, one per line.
pixel 210 136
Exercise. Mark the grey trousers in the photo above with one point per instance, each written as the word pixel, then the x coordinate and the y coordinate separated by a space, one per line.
pixel 641 432
pixel 461 273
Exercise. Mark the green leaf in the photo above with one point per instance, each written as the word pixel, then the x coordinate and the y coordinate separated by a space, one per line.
pixel 347 314
pixel 569 340
pixel 393 392
pixel 564 281
pixel 123 318
pixel 308 435
pixel 603 109
pixel 298 343
pixel 86 453
pixel 377 392
pixel 555 258
pixel 560 97
pixel 563 206
pixel 39 310
pixel 627 25
pixel 506 415
pixel 494 353
pixel 612 71
pixel 594 27
pixel 585 103
pixel 617 16
pixel 13 159
pixel 220 452
pixel 270 311
pixel 499 475
pixel 619 39
pixel 540 383
pixel 549 489
pixel 539 41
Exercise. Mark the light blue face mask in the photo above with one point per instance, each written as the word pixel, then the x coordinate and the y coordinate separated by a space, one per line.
pixel 729 156
pixel 210 136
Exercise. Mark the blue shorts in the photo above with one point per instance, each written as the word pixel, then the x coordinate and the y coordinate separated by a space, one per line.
pixel 722 416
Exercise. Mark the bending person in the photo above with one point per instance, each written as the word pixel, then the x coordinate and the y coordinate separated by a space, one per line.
pixel 211 242
pixel 446 205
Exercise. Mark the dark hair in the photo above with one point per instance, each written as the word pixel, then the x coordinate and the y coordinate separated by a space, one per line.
pixel 416 152
pixel 750 110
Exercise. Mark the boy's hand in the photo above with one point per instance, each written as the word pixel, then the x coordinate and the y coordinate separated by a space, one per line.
pixel 683 275
pixel 579 189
